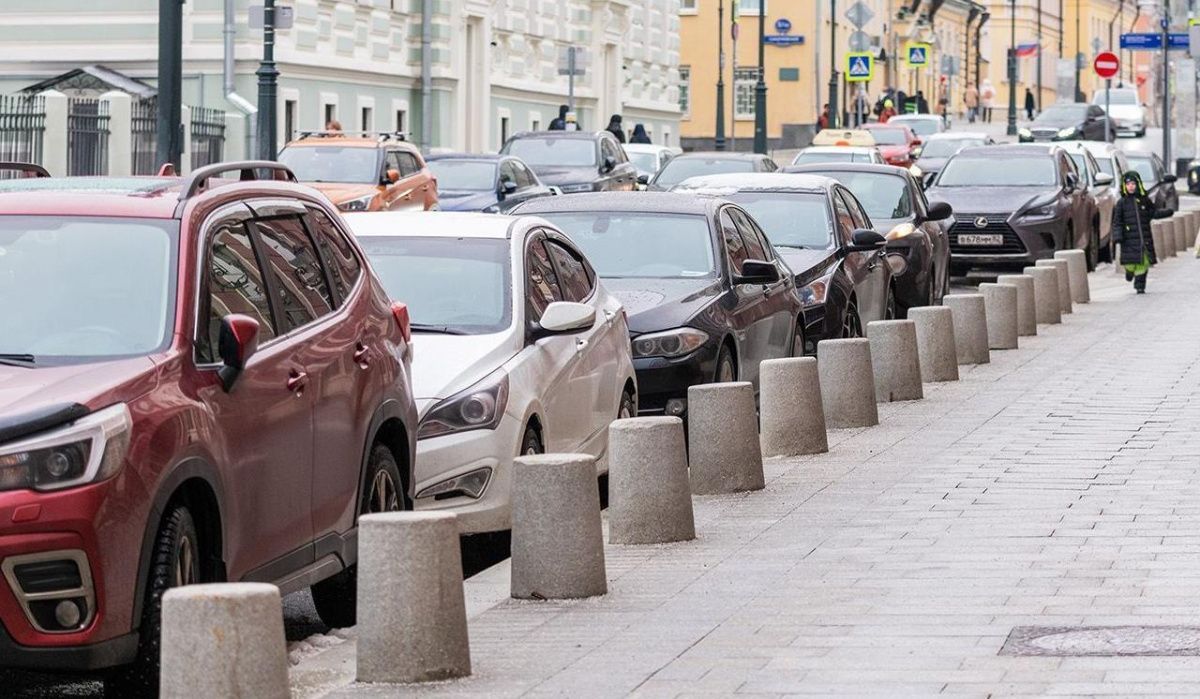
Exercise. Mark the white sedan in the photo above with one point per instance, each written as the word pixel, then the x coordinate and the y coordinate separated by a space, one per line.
pixel 518 349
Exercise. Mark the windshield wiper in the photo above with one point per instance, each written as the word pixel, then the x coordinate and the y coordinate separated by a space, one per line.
pixel 792 246
pixel 440 329
pixel 17 359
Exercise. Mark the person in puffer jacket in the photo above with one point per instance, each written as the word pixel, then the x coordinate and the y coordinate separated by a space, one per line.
pixel 1131 229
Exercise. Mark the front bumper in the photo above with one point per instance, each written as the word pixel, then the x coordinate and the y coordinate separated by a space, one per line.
pixel 98 656
pixel 1025 241
pixel 663 379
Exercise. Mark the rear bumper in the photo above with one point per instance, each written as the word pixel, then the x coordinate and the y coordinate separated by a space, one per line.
pixel 115 651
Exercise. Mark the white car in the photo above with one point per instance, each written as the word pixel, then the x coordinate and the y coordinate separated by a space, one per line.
pixel 649 159
pixel 517 349
pixel 838 154
pixel 1126 110
pixel 923 125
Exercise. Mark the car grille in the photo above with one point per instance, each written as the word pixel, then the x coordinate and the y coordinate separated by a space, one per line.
pixel 996 223
pixel 1044 134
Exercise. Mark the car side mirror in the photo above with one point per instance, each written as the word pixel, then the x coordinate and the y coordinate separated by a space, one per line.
pixel 565 318
pixel 865 240
pixel 609 163
pixel 508 187
pixel 643 179
pixel 1104 179
pixel 757 272
pixel 1169 178
pixel 237 341
pixel 939 211
pixel 390 177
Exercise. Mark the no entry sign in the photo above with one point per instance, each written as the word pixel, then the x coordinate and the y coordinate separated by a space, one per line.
pixel 1107 64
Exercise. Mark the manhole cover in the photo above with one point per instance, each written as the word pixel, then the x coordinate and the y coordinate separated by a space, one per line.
pixel 1103 640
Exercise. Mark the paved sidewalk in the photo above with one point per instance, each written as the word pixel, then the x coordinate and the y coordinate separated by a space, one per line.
pixel 1057 486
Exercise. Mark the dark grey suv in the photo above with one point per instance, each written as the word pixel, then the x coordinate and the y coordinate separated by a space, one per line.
pixel 575 161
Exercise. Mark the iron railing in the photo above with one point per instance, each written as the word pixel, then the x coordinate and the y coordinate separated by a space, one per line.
pixel 22 129
pixel 87 136
pixel 208 136
pixel 143 140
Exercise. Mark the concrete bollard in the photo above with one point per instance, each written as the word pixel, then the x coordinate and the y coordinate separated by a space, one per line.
pixel 1169 236
pixel 1156 235
pixel 935 343
pixel 649 497
pixel 412 618
pixel 1045 292
pixel 970 327
pixel 223 640
pixel 847 383
pixel 1077 274
pixel 1193 227
pixel 1000 304
pixel 791 418
pixel 1026 302
pixel 1181 245
pixel 1064 283
pixel 557 542
pixel 723 450
pixel 894 360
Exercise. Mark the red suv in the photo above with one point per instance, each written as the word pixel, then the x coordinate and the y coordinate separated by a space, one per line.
pixel 200 380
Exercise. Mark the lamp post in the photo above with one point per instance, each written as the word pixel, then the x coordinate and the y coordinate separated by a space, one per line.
pixel 1012 69
pixel 719 139
pixel 268 78
pixel 170 80
pixel 760 88
pixel 1165 24
pixel 834 112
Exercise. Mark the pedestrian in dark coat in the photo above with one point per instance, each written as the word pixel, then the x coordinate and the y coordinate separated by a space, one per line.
pixel 1131 229
pixel 614 127
pixel 1030 104
pixel 559 123
pixel 639 134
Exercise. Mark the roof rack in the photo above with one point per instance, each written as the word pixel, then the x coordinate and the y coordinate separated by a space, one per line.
pixel 248 170
pixel 379 135
pixel 30 169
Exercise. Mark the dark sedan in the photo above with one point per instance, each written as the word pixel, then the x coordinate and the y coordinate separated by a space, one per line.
pixel 487 183
pixel 1013 205
pixel 575 161
pixel 1159 183
pixel 937 149
pixel 914 228
pixel 688 165
pixel 826 238
pixel 1066 122
pixel 707 296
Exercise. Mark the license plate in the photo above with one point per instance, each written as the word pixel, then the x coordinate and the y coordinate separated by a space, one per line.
pixel 980 239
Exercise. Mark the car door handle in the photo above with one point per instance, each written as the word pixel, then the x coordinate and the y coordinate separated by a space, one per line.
pixel 362 356
pixel 297 380
pixel 580 344
pixel 609 314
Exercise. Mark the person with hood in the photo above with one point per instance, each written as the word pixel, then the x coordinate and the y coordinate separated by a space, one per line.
pixel 559 123
pixel 889 111
pixel 640 135
pixel 1030 104
pixel 1131 229
pixel 614 127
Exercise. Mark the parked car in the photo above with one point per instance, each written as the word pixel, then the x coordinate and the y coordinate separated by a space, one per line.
pixel 519 350
pixel 1125 108
pixel 1193 176
pixel 923 125
pixel 575 161
pixel 896 143
pixel 482 182
pixel 1159 183
pixel 843 137
pixel 836 154
pixel 1103 196
pixel 1065 122
pixel 688 165
pixel 1013 205
pixel 895 202
pixel 214 388
pixel 363 171
pixel 937 149
pixel 827 240
pixel 649 159
pixel 707 296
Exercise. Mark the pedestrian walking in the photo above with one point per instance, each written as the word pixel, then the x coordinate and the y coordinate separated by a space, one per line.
pixel 614 127
pixel 889 111
pixel 922 103
pixel 559 123
pixel 823 120
pixel 971 100
pixel 987 99
pixel 1030 105
pixel 640 135
pixel 1131 229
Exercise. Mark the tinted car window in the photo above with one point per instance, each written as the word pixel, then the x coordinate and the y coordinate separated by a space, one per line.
pixel 408 164
pixel 734 245
pixel 755 248
pixel 790 219
pixel 343 265
pixel 302 295
pixel 845 220
pixel 680 169
pixel 554 151
pixel 235 285
pixel 572 275
pixel 881 195
pixel 620 244
pixel 525 177
pixel 508 173
pixel 856 213
pixel 999 171
pixel 543 281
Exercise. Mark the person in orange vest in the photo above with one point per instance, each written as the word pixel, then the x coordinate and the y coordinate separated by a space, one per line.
pixel 889 111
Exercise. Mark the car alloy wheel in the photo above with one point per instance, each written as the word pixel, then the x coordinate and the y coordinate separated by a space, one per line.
pixel 186 570
pixel 384 495
pixel 889 311
pixel 851 324
pixel 531 443
pixel 628 407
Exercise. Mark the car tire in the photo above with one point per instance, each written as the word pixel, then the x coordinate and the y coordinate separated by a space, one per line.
pixel 798 339
pixel 628 407
pixel 531 442
pixel 175 561
pixel 890 309
pixel 851 322
pixel 336 598
pixel 726 366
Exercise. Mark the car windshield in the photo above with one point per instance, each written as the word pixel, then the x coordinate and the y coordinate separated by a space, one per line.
pixel 790 219
pixel 343 164
pixel 882 196
pixel 460 285
pixel 999 171
pixel 1116 97
pixel 921 127
pixel 464 175
pixel 946 147
pixel 549 152
pixel 660 246
pixel 681 169
pixel 644 162
pixel 1062 115
pixel 1145 168
pixel 83 288
pixel 889 137
pixel 810 157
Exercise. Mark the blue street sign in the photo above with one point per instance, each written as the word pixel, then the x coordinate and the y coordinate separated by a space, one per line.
pixel 860 66
pixel 783 26
pixel 918 55
pixel 1153 42
pixel 783 39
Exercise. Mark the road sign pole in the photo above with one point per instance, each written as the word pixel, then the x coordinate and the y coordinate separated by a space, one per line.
pixel 719 137
pixel 571 79
pixel 1108 135
pixel 760 87
pixel 1166 87
pixel 1012 70
pixel 833 76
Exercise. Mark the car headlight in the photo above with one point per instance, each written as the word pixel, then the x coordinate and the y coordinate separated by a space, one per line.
pixel 669 343
pixel 1067 132
pixel 1040 211
pixel 359 204
pixel 479 407
pixel 1024 133
pixel 902 230
pixel 575 188
pixel 814 293
pixel 89 450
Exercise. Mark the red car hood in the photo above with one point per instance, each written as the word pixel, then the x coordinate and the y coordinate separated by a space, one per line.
pixel 96 385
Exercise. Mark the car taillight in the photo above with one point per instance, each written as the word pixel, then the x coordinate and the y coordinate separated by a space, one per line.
pixel 400 313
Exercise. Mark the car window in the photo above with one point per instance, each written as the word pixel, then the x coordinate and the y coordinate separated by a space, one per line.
pixel 844 218
pixel 525 177
pixel 1095 111
pixel 508 173
pixel 735 247
pixel 609 150
pixel 235 285
pixel 341 261
pixel 408 164
pixel 301 294
pixel 756 248
pixel 572 273
pixel 543 288
pixel 393 162
pixel 857 215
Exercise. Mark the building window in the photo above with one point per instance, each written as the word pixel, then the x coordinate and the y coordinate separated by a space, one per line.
pixel 689 7
pixel 504 129
pixel 330 114
pixel 401 121
pixel 685 91
pixel 289 119
pixel 535 125
pixel 751 7
pixel 744 80
pixel 368 119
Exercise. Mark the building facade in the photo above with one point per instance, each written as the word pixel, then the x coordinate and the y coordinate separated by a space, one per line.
pixel 493 63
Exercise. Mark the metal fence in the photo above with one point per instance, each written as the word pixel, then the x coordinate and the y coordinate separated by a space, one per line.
pixel 143 139
pixel 87 137
pixel 22 128
pixel 208 136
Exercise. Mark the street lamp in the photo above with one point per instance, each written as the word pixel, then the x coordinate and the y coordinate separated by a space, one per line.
pixel 268 78
pixel 760 88
pixel 719 139
pixel 833 73
pixel 170 78
pixel 1012 69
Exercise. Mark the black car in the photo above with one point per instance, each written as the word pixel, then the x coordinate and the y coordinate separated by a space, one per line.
pixel 1013 205
pixel 1159 183
pixel 688 165
pixel 707 296
pixel 895 202
pixel 483 182
pixel 826 238
pixel 1067 122
pixel 575 161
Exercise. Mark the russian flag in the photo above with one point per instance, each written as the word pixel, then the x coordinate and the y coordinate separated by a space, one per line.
pixel 1027 49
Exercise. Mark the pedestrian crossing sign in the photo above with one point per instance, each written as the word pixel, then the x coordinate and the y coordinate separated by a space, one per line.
pixel 860 66
pixel 917 55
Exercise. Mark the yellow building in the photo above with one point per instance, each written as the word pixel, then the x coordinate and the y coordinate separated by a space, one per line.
pixel 1086 33
pixel 1037 24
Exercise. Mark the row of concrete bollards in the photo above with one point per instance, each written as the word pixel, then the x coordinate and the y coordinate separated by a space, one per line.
pixel 227 639
pixel 1173 235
